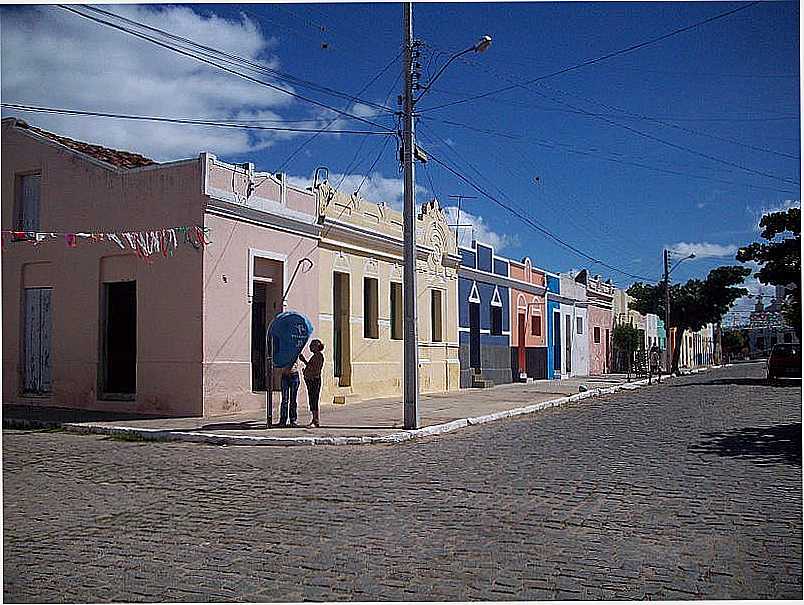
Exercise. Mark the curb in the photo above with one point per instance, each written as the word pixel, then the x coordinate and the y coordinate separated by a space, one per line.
pixel 392 439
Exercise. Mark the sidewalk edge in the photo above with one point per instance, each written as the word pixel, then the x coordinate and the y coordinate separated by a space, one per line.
pixel 213 438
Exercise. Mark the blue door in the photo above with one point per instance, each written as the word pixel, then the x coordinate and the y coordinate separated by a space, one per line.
pixel 557 343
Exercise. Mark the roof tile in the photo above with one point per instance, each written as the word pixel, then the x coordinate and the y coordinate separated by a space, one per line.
pixel 121 159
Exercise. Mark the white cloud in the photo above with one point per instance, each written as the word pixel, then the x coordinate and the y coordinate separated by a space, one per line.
pixel 704 249
pixel 374 187
pixel 54 58
pixel 480 230
pixel 757 214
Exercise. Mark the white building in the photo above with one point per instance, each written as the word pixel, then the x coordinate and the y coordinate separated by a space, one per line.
pixel 651 331
pixel 574 328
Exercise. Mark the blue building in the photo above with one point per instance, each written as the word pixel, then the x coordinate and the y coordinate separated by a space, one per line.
pixel 553 321
pixel 484 317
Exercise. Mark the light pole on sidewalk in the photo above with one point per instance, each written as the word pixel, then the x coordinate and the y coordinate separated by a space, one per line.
pixel 411 354
pixel 667 271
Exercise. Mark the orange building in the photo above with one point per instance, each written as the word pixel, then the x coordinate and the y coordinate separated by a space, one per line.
pixel 528 328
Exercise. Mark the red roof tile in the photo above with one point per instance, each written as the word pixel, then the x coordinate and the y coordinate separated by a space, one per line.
pixel 121 159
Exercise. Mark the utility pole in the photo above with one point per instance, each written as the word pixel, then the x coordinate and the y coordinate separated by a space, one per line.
pixel 668 349
pixel 411 353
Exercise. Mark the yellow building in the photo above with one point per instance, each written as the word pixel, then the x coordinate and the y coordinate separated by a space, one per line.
pixel 361 305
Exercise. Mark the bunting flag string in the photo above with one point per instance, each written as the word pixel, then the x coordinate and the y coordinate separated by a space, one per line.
pixel 145 244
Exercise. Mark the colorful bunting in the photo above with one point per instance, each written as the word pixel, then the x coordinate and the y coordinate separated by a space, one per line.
pixel 144 243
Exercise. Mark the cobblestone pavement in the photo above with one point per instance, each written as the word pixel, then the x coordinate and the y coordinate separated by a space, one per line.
pixel 687 490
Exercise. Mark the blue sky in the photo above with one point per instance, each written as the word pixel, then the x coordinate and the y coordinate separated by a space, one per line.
pixel 728 90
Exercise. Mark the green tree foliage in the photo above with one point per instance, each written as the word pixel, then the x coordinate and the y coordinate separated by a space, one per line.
pixel 626 338
pixel 734 342
pixel 693 304
pixel 780 258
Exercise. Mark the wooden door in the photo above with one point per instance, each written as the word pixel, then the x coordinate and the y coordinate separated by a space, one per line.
pixel 557 342
pixel 37 369
pixel 521 343
pixel 474 335
pixel 120 338
pixel 568 343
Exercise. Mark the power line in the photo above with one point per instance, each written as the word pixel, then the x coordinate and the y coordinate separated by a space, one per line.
pixel 496 133
pixel 675 126
pixel 610 122
pixel 531 105
pixel 241 61
pixel 373 164
pixel 217 124
pixel 508 169
pixel 377 76
pixel 221 67
pixel 588 62
pixel 568 149
pixel 530 222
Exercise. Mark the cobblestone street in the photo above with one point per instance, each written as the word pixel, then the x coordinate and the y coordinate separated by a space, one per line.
pixel 687 490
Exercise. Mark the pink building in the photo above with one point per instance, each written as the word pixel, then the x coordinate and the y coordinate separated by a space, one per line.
pixel 528 328
pixel 600 296
pixel 97 327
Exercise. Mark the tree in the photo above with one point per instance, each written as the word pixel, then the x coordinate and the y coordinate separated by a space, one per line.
pixel 780 259
pixel 626 339
pixel 693 304
pixel 734 343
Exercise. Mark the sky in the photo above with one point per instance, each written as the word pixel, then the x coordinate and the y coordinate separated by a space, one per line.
pixel 682 143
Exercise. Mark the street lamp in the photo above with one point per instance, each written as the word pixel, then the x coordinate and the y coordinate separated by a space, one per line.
pixel 678 262
pixel 481 47
pixel 411 354
pixel 667 272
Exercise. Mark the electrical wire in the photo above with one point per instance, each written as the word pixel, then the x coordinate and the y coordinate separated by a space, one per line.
pixel 241 61
pixel 217 124
pixel 532 223
pixel 505 196
pixel 373 165
pixel 588 62
pixel 675 126
pixel 545 143
pixel 365 87
pixel 235 72
pixel 640 133
pixel 531 105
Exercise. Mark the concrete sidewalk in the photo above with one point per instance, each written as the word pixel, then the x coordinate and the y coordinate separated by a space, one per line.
pixel 365 422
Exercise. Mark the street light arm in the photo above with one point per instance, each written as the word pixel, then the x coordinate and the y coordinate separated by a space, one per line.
pixel 441 71
pixel 678 262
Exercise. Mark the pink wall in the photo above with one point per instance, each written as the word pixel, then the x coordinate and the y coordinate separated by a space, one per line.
pixel 519 304
pixel 227 307
pixel 79 195
pixel 602 319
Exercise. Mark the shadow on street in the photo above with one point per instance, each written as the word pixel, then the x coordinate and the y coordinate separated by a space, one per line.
pixel 260 425
pixel 787 382
pixel 780 444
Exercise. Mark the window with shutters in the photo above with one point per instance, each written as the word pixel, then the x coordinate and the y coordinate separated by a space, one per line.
pixel 579 321
pixel 396 311
pixel 371 327
pixel 37 370
pixel 436 315
pixel 27 211
pixel 535 325
pixel 496 320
